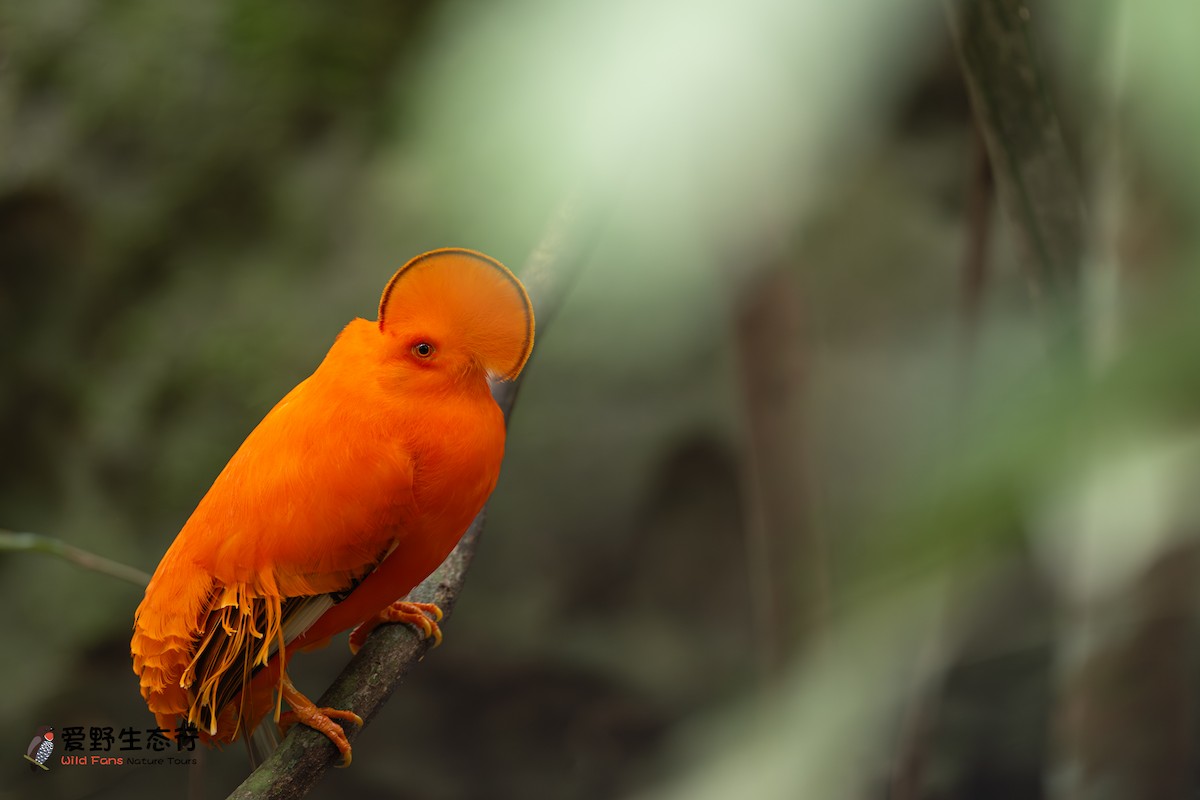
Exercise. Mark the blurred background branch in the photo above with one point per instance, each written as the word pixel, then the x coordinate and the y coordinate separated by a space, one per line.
pixel 786 558
pixel 1014 107
pixel 1018 153
pixel 37 543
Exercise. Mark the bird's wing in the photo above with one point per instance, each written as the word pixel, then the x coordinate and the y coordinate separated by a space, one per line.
pixel 299 515
pixel 311 497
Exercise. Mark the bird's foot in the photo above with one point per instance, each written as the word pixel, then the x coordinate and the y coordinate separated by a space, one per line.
pixel 424 616
pixel 307 712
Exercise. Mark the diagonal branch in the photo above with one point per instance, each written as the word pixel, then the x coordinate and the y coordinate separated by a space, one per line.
pixel 37 543
pixel 372 675
pixel 1035 178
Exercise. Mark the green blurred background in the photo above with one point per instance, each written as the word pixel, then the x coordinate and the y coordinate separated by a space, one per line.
pixel 804 497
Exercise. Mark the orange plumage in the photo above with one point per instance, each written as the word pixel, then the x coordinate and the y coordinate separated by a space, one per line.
pixel 349 492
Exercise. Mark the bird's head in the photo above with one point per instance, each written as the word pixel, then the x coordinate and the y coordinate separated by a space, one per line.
pixel 453 313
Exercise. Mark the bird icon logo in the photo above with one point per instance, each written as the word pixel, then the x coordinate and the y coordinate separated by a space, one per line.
pixel 40 748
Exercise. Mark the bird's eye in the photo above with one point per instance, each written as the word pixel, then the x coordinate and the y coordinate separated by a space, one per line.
pixel 422 350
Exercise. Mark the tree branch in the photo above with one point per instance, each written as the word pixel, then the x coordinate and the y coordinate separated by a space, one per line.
pixel 37 543
pixel 1035 179
pixel 375 672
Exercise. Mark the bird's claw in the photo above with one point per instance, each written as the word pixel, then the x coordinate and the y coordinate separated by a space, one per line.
pixel 424 616
pixel 318 718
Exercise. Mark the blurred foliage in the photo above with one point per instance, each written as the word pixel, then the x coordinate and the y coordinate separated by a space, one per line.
pixel 194 198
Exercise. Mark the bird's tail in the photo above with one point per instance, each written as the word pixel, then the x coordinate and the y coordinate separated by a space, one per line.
pixel 261 743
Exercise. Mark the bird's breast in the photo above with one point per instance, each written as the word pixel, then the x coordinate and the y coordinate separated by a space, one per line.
pixel 457 464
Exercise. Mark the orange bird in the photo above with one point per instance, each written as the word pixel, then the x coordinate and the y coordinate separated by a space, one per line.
pixel 351 491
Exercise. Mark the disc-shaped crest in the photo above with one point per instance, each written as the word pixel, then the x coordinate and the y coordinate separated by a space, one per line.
pixel 471 298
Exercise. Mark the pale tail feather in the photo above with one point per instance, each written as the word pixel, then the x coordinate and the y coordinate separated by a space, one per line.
pixel 262 743
pixel 301 614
